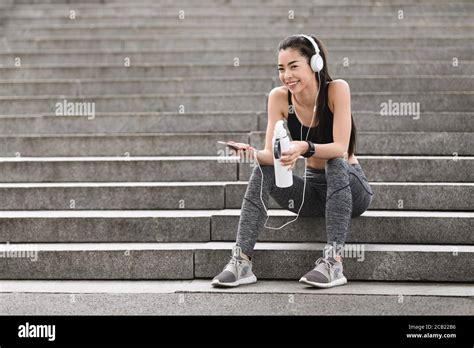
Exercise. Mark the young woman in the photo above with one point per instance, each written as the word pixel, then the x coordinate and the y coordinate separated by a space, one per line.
pixel 317 110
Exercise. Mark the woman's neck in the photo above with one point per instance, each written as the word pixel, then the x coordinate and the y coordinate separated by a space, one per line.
pixel 307 97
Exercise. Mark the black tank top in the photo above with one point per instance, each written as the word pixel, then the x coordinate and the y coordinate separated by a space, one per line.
pixel 294 125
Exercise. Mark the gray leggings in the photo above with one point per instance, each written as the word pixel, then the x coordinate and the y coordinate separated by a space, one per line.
pixel 339 192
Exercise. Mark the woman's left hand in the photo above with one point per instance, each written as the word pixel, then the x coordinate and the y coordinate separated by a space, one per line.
pixel 289 158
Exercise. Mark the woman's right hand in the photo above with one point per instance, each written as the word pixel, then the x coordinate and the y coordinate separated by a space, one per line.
pixel 242 148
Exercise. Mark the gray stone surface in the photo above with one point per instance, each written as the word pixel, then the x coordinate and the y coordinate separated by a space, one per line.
pixel 209 225
pixel 251 55
pixel 144 86
pixel 392 196
pixel 123 261
pixel 206 69
pixel 224 121
pixel 199 298
pixel 105 226
pixel 132 122
pixel 371 227
pixel 160 169
pixel 376 262
pixel 242 101
pixel 394 168
pixel 128 144
pixel 254 84
pixel 203 10
pixel 94 196
pixel 302 19
pixel 242 11
pixel 428 122
pixel 205 144
pixel 230 304
pixel 217 168
pixel 262 286
pixel 118 29
pixel 138 102
pixel 211 195
pixel 396 262
pixel 163 42
pixel 403 143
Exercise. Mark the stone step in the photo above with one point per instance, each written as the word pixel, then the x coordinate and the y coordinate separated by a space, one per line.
pixel 227 121
pixel 225 84
pixel 377 261
pixel 177 102
pixel 194 168
pixel 351 55
pixel 301 18
pixel 212 195
pixel 117 169
pixel 125 3
pixel 410 104
pixel 390 169
pixel 428 122
pixel 171 70
pixel 223 28
pixel 112 4
pixel 401 143
pixel 198 297
pixel 373 226
pixel 390 195
pixel 6 4
pixel 245 56
pixel 147 85
pixel 171 226
pixel 393 262
pixel 205 144
pixel 224 11
pixel 213 42
pixel 132 122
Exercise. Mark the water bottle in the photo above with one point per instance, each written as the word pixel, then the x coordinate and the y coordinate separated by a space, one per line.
pixel 281 143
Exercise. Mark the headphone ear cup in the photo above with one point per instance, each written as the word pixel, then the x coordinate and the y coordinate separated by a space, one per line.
pixel 317 63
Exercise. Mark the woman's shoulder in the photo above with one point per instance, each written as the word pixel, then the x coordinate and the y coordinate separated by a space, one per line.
pixel 279 96
pixel 281 92
pixel 337 90
pixel 336 86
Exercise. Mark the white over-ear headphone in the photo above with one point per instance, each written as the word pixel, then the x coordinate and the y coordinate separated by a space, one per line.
pixel 316 61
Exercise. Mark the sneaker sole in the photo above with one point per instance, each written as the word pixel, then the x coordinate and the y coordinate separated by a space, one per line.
pixel 243 281
pixel 337 282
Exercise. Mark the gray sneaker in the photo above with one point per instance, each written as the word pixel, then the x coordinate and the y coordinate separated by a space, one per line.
pixel 237 271
pixel 326 274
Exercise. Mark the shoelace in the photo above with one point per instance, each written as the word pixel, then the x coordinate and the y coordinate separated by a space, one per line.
pixel 233 261
pixel 327 263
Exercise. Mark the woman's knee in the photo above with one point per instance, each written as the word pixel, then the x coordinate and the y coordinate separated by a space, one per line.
pixel 268 176
pixel 361 206
pixel 336 164
pixel 268 171
pixel 337 174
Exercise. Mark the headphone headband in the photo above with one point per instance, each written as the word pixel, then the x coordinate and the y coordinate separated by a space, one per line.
pixel 316 61
pixel 310 39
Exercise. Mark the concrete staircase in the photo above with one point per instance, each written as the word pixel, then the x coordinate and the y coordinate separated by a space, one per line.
pixel 131 210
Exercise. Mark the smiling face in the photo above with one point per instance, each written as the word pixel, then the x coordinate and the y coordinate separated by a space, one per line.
pixel 294 71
